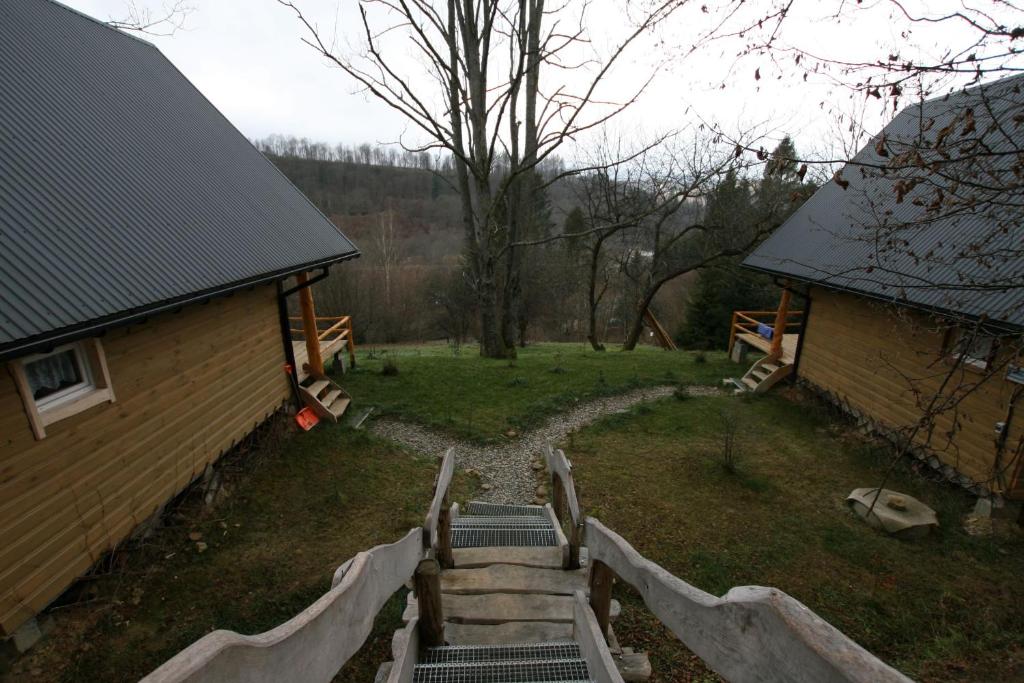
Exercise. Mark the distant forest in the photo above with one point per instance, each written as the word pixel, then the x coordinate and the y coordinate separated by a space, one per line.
pixel 403 213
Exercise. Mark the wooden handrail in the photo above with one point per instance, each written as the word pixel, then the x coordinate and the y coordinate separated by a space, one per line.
pixel 747 322
pixel 336 318
pixel 322 637
pixel 563 495
pixel 750 634
pixel 437 529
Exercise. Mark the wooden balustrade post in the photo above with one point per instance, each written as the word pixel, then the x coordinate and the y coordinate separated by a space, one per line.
pixel 427 587
pixel 351 345
pixel 309 328
pixel 732 333
pixel 779 331
pixel 575 541
pixel 444 535
pixel 601 578
pixel 558 499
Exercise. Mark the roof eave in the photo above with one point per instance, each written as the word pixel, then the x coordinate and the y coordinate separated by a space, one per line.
pixel 1001 325
pixel 93 328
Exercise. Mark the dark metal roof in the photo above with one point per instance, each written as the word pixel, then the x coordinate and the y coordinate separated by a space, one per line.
pixel 122 189
pixel 955 259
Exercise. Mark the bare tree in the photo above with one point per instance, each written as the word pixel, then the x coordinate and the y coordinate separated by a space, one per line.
pixel 935 202
pixel 645 220
pixel 165 21
pixel 482 102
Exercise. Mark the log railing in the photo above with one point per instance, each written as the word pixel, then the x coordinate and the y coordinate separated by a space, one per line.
pixel 313 645
pixel 751 634
pixel 563 499
pixel 329 329
pixel 747 322
pixel 437 529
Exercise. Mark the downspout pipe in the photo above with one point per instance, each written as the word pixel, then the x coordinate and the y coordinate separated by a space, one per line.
pixel 286 335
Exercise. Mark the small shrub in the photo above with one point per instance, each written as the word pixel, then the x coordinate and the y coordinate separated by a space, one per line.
pixel 517 382
pixel 682 391
pixel 390 367
pixel 729 433
pixel 700 357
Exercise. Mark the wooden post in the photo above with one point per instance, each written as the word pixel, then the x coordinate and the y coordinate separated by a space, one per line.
pixel 732 333
pixel 444 535
pixel 601 577
pixel 309 329
pixel 779 331
pixel 427 587
pixel 351 345
pixel 558 498
pixel 575 541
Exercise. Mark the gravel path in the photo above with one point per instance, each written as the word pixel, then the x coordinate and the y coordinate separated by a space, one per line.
pixel 505 468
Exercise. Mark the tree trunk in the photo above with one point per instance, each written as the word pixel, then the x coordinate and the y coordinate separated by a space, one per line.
pixel 592 299
pixel 636 326
pixel 491 345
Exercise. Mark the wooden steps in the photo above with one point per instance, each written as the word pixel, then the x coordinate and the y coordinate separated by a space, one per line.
pixel 500 608
pixel 762 375
pixel 510 578
pixel 509 632
pixel 328 400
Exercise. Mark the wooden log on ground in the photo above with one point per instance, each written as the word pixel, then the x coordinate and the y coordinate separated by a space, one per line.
pixel 427 587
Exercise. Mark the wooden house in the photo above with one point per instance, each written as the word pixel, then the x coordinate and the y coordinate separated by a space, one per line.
pixel 147 252
pixel 912 301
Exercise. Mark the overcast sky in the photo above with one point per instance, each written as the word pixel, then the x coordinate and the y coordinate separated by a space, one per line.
pixel 247 57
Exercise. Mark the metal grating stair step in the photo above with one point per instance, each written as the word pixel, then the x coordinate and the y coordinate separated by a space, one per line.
pixel 512 671
pixel 485 537
pixel 504 510
pixel 510 522
pixel 452 654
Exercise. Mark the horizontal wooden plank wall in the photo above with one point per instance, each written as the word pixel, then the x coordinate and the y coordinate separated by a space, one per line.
pixel 861 352
pixel 189 386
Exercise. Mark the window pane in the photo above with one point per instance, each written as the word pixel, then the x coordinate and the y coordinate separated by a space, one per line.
pixel 51 374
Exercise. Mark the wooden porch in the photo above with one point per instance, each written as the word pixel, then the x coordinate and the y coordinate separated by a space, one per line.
pixel 757 328
pixel 334 337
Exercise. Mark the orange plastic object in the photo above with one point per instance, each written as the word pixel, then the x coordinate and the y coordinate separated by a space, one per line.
pixel 307 419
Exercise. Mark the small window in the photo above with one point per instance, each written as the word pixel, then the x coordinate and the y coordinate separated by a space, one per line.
pixel 62 383
pixel 58 377
pixel 977 348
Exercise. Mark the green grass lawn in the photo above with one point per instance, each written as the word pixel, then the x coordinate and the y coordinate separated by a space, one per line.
pixel 481 399
pixel 296 512
pixel 945 608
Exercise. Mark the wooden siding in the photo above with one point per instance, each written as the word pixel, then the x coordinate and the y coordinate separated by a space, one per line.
pixel 862 352
pixel 189 385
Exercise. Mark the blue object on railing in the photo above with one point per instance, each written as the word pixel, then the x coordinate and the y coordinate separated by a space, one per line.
pixel 766 331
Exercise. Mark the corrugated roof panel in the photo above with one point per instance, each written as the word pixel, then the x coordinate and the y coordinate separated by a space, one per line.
pixel 122 188
pixel 865 239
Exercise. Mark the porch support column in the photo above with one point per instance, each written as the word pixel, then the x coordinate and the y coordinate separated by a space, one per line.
pixel 780 324
pixel 310 332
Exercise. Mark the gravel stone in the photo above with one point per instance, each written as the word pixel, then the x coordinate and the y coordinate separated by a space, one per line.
pixel 506 468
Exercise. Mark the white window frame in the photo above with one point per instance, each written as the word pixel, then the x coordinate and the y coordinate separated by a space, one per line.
pixel 66 394
pixel 962 334
pixel 94 389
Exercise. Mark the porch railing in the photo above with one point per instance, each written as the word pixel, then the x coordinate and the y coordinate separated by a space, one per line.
pixel 746 322
pixel 330 331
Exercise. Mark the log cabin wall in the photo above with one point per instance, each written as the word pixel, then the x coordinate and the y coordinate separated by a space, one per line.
pixel 188 385
pixel 861 352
